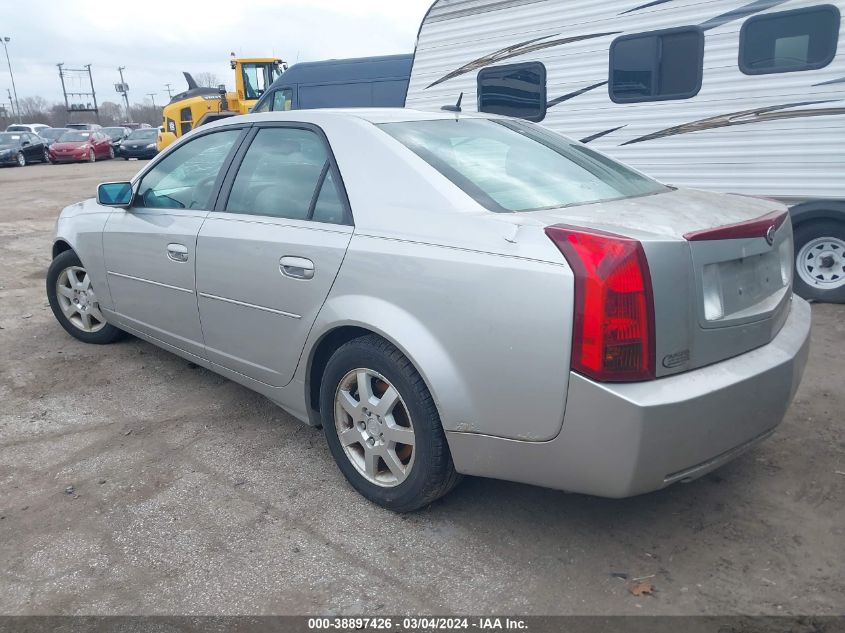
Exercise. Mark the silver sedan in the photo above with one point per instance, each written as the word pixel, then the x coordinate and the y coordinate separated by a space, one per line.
pixel 450 294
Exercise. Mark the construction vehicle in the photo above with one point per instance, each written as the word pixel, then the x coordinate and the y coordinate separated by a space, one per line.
pixel 199 105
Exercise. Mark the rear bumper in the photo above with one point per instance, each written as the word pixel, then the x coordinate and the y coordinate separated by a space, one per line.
pixel 620 440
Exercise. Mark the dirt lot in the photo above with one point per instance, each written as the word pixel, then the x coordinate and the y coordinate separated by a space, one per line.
pixel 134 482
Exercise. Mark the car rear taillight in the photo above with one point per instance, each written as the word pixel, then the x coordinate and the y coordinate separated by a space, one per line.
pixel 613 332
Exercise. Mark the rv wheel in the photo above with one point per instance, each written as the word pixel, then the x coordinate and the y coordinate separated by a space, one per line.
pixel 820 261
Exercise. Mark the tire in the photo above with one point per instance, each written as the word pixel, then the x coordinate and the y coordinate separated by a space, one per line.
pixel 99 332
pixel 92 156
pixel 817 244
pixel 111 152
pixel 429 471
pixel 21 161
pixel 45 157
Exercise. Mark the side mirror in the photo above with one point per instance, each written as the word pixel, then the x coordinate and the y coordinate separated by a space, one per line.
pixel 115 194
pixel 25 143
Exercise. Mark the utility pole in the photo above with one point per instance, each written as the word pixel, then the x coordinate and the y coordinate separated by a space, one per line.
pixel 64 91
pixel 6 41
pixel 152 96
pixel 124 90
pixel 93 94
pixel 169 92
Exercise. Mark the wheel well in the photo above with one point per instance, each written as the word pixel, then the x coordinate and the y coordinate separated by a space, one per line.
pixel 59 247
pixel 818 210
pixel 320 358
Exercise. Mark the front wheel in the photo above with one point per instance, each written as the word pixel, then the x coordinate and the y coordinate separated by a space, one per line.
pixel 92 157
pixel 74 302
pixel 111 152
pixel 820 261
pixel 21 160
pixel 382 426
pixel 45 157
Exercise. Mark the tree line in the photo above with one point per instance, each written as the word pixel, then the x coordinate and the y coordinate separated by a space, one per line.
pixel 38 110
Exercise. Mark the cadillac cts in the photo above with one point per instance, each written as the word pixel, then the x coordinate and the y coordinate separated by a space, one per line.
pixel 448 294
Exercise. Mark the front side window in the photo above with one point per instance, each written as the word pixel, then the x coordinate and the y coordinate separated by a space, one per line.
pixel 185 178
pixel 286 173
pixel 788 41
pixel 656 66
pixel 282 100
pixel 510 166
pixel 517 90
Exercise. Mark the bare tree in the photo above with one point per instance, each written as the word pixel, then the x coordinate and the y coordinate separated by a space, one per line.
pixel 207 80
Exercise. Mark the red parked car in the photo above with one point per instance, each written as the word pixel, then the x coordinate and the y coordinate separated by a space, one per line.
pixel 81 145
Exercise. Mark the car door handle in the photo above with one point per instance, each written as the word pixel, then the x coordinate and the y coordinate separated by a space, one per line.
pixel 296 267
pixel 177 253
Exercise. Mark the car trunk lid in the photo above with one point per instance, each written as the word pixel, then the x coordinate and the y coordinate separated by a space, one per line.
pixel 721 269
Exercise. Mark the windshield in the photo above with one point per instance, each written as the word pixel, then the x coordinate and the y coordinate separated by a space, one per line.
pixel 257 77
pixel 143 135
pixel 113 132
pixel 74 135
pixel 17 128
pixel 510 166
pixel 51 134
pixel 9 139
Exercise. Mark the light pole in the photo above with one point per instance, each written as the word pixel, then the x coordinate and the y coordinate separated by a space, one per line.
pixel 6 41
pixel 124 89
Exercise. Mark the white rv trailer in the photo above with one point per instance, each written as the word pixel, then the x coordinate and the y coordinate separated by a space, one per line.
pixel 740 96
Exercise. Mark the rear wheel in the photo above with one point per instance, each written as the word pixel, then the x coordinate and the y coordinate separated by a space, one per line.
pixel 383 428
pixel 820 261
pixel 74 303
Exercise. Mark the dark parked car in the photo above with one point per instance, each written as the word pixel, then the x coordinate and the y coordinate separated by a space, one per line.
pixel 76 146
pixel 117 135
pixel 52 134
pixel 140 144
pixel 20 148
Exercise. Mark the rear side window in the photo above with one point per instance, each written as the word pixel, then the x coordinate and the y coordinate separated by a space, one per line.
pixel 286 173
pixel 517 90
pixel 657 66
pixel 788 41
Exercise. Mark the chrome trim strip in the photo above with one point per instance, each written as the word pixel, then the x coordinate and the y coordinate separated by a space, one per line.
pixel 290 315
pixel 150 281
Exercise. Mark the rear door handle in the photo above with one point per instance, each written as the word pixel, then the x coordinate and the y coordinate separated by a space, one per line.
pixel 296 267
pixel 177 252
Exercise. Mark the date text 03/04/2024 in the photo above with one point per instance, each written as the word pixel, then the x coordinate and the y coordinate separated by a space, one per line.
pixel 418 623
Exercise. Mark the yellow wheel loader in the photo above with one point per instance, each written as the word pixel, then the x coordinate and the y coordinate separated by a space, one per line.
pixel 199 105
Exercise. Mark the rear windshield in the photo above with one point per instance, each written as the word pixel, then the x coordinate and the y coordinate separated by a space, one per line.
pixel 510 166
pixel 142 135
pixel 74 135
pixel 51 134
pixel 113 132
pixel 17 128
pixel 7 137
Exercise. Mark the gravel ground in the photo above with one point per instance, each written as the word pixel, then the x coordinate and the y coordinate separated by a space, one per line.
pixel 132 482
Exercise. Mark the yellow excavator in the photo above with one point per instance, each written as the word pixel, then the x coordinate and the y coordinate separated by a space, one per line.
pixel 199 105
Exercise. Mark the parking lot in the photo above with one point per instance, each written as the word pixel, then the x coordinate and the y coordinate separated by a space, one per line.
pixel 135 482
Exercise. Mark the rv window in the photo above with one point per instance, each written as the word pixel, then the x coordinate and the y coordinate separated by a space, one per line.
pixel 788 41
pixel 517 90
pixel 657 66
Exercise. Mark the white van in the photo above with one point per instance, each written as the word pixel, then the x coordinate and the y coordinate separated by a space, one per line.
pixel 740 96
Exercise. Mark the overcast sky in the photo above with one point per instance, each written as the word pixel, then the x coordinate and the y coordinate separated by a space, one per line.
pixel 157 39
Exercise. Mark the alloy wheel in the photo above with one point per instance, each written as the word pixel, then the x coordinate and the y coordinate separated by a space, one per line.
pixel 374 427
pixel 821 263
pixel 46 156
pixel 21 160
pixel 92 157
pixel 77 300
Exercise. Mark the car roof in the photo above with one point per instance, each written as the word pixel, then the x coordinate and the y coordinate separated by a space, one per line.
pixel 372 115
